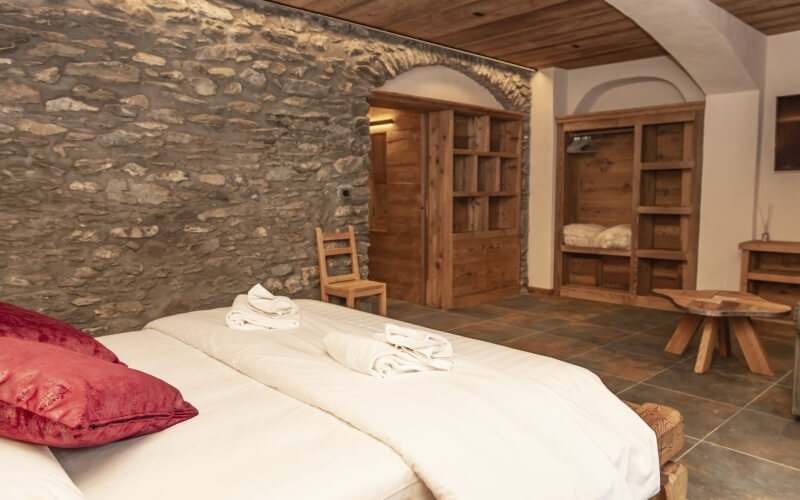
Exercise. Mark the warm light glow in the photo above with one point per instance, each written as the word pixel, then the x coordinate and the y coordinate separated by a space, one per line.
pixel 380 122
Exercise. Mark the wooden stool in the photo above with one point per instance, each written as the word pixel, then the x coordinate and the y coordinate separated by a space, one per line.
pixel 667 424
pixel 722 311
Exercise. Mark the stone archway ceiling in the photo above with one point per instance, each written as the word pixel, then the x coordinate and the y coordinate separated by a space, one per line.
pixel 721 53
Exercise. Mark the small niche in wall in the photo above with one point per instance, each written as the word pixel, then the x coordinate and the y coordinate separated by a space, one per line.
pixel 787 133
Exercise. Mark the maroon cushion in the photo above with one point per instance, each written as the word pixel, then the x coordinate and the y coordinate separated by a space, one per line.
pixel 52 396
pixel 23 324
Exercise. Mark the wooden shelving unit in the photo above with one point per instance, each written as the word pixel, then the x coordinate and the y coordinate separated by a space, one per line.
pixel 771 269
pixel 474 161
pixel 645 171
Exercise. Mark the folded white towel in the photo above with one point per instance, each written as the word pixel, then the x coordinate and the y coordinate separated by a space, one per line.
pixel 260 298
pixel 370 356
pixel 243 316
pixel 430 348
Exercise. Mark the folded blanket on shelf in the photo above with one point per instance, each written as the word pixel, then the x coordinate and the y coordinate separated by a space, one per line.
pixel 370 356
pixel 428 347
pixel 260 298
pixel 243 316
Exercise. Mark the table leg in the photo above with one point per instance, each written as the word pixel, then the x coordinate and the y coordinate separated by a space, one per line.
pixel 683 334
pixel 724 338
pixel 706 352
pixel 751 346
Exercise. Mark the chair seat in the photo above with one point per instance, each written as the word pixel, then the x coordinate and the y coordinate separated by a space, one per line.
pixel 356 286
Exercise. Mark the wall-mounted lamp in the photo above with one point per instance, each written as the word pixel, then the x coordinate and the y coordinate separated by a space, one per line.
pixel 582 144
pixel 382 121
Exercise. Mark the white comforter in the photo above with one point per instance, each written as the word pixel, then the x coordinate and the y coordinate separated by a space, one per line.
pixel 502 424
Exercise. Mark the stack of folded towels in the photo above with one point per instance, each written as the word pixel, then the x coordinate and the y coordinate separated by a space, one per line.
pixel 259 310
pixel 397 350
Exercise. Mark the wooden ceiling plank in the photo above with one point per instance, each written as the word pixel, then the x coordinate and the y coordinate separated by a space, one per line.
pixel 602 45
pixel 329 7
pixel 540 20
pixel 559 34
pixel 626 54
pixel 457 19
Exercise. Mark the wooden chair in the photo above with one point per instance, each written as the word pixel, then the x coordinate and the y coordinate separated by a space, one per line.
pixel 349 286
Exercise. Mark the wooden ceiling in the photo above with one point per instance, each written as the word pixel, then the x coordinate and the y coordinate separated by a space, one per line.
pixel 771 17
pixel 534 33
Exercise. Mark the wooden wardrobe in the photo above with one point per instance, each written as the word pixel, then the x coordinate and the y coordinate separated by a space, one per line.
pixel 445 200
pixel 643 169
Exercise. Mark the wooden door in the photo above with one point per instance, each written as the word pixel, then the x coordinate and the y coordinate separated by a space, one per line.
pixel 396 252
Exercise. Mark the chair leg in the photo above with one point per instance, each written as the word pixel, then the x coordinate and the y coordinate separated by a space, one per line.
pixel 351 301
pixel 382 303
pixel 324 297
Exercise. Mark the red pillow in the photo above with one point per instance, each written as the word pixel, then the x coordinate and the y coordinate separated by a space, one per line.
pixel 52 396
pixel 20 323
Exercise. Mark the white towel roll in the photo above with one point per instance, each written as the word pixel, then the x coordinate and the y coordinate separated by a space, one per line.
pixel 429 347
pixel 262 300
pixel 243 316
pixel 370 356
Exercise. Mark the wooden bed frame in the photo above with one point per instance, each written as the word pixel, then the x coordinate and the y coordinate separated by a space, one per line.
pixel 667 423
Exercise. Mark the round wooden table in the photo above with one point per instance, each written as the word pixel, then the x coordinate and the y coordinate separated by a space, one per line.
pixel 722 312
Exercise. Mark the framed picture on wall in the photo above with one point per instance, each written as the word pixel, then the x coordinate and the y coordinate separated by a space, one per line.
pixel 787 133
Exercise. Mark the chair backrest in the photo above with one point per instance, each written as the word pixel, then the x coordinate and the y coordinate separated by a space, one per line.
pixel 324 252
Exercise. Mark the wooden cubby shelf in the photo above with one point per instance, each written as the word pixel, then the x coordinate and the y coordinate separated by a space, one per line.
pixel 490 154
pixel 595 251
pixel 644 169
pixel 771 269
pixel 665 210
pixel 480 154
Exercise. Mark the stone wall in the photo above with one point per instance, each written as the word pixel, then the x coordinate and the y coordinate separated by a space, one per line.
pixel 158 156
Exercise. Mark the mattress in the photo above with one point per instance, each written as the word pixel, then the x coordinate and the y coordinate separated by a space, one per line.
pixel 248 442
pixel 501 421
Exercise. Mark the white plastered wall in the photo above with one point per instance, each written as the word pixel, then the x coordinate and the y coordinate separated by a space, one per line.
pixel 548 89
pixel 779 189
pixel 730 145
pixel 441 82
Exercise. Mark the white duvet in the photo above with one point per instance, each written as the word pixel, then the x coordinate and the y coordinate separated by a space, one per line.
pixel 501 424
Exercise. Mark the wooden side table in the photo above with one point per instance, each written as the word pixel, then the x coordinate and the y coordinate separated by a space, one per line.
pixel 722 311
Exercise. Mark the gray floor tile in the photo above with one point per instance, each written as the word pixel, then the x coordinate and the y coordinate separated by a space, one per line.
pixel 492 331
pixel 550 345
pixel 404 310
pixel 777 401
pixel 650 345
pixel 443 320
pixel 715 385
pixel 765 436
pixel 717 473
pixel 532 321
pixel 587 332
pixel 629 366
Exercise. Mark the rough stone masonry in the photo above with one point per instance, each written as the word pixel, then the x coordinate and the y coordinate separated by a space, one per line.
pixel 159 156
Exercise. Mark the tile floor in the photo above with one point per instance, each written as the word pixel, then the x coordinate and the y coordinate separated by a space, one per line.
pixel 742 442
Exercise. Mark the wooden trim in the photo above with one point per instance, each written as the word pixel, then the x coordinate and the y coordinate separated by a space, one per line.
pixel 634 114
pixel 541 291
pixel 558 264
pixel 616 297
pixel 384 99
pixel 439 223
pixel 771 246
pixel 595 251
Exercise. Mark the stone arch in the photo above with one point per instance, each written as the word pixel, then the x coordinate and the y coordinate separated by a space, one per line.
pixel 441 82
pixel 588 100
pixel 511 89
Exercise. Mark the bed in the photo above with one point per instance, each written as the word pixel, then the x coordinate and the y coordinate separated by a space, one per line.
pixel 278 418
